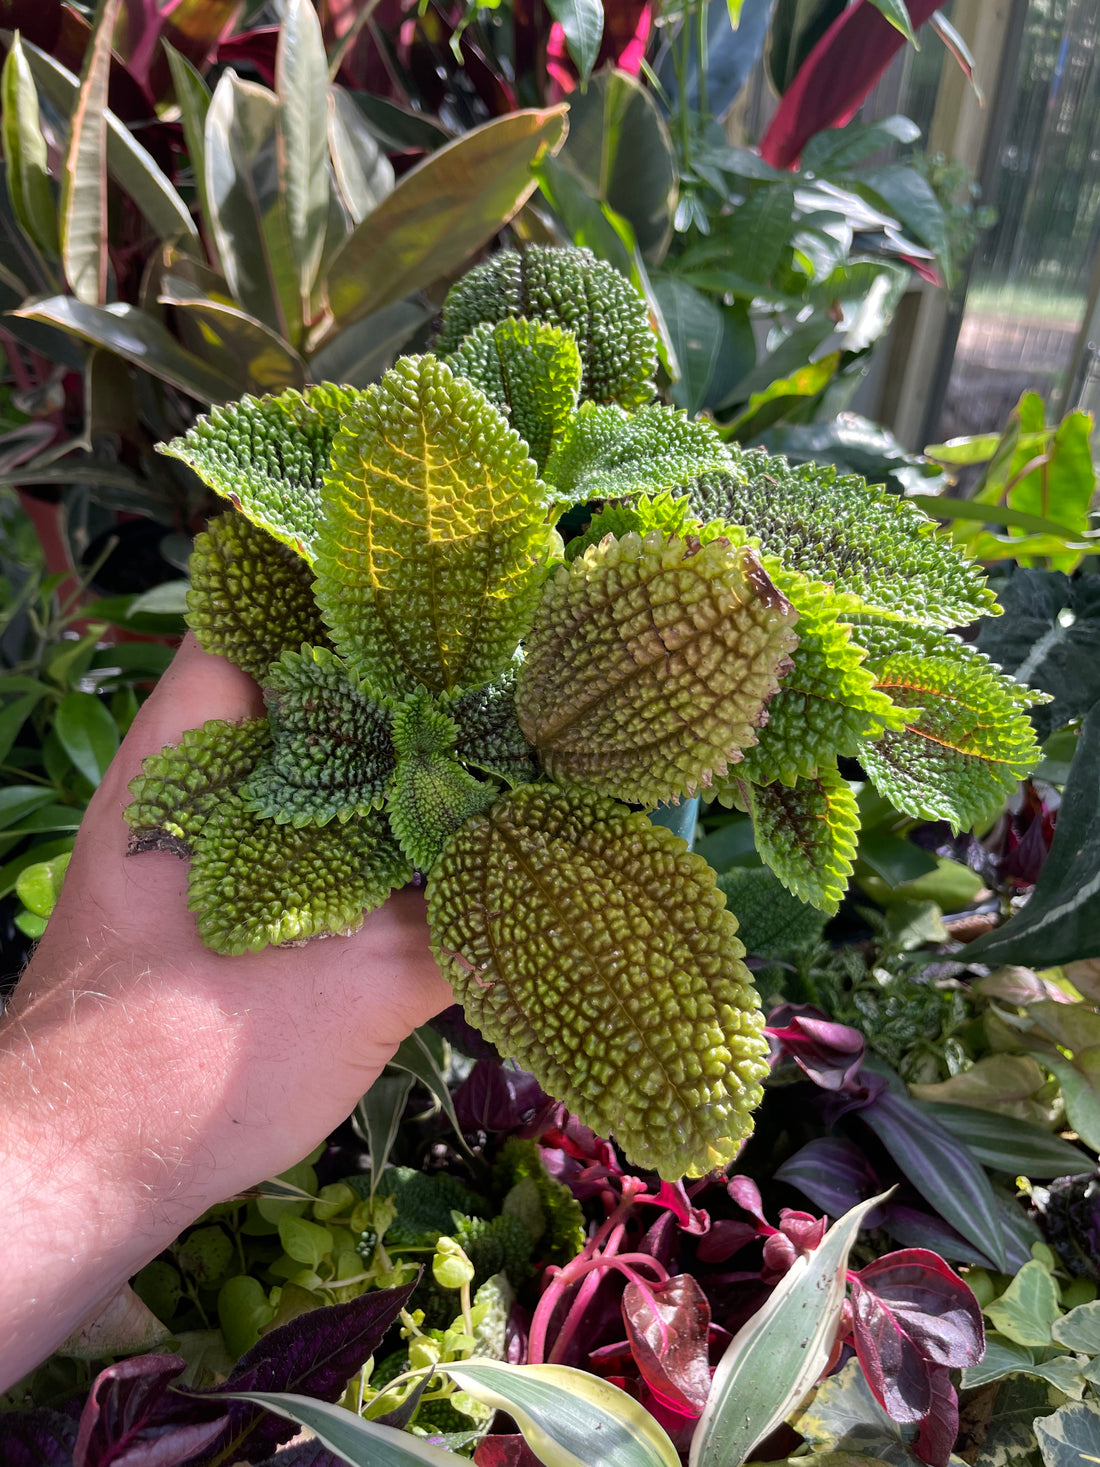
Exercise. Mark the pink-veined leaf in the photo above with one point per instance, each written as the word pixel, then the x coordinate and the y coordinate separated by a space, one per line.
pixel 667 1327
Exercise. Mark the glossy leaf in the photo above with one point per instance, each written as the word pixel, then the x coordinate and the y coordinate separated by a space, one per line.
pixel 364 174
pixel 625 690
pixel 301 84
pixel 793 1331
pixel 667 1326
pixel 360 354
pixel 441 213
pixel 1080 1082
pixel 695 324
pixel 193 100
pixel 136 337
pixel 1028 1308
pixel 27 171
pixel 589 1017
pixel 378 1117
pixel 1012 1146
pixel 415 537
pixel 264 361
pixel 88 733
pixel 565 1415
pixel 807 834
pixel 1061 921
pixel 128 163
pixel 1070 1437
pixel 582 22
pixel 83 210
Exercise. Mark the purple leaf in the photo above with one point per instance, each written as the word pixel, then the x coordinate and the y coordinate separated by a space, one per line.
pixel 305 1454
pixel 667 1325
pixel 505 1451
pixel 942 1169
pixel 895 1369
pixel 745 1192
pixel 830 1054
pixel 939 1430
pixel 314 1355
pixel 937 1310
pixel 727 1236
pixel 39 1438
pixel 130 1418
pixel 915 1228
pixel 833 1173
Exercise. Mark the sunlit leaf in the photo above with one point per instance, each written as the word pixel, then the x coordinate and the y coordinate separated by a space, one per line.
pixel 582 22
pixel 27 171
pixel 83 211
pixel 301 84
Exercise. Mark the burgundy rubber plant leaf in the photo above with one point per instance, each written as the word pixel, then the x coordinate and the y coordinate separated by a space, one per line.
pixel 132 1419
pixel 505 1451
pixel 940 1428
pixel 316 1355
pixel 667 1325
pixel 836 77
pixel 829 1054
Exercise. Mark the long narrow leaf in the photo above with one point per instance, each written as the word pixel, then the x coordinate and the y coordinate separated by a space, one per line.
pixel 945 508
pixel 414 1056
pixel 25 152
pixel 129 164
pixel 568 1417
pixel 362 1443
pixel 84 180
pixel 774 1360
pixel 193 100
pixel 378 1116
pixel 301 84
pixel 1008 1145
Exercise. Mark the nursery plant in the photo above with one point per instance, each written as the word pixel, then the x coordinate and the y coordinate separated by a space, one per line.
pixel 457 694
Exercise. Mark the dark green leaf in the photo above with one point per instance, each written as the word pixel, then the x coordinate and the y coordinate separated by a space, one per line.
pixel 193 100
pixel 697 330
pixel 582 22
pixel 897 13
pixel 88 734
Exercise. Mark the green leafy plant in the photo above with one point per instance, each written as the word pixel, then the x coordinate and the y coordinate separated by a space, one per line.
pixel 453 691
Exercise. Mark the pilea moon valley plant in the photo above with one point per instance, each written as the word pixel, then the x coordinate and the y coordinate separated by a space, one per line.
pixel 456 690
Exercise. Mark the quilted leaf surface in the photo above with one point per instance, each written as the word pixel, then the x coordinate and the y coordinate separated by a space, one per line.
pixel 966 741
pixel 606 453
pixel 332 752
pixel 807 835
pixel 827 703
pixel 251 597
pixel 595 949
pixel 179 787
pixel 649 664
pixel 571 289
pixel 873 546
pixel 255 883
pixel 430 552
pixel 268 455
pixel 489 736
pixel 432 795
pixel 530 371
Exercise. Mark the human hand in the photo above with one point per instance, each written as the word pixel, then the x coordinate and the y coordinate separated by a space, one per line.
pixel 151 1077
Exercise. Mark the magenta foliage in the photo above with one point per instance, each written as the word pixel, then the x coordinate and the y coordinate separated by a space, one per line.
pixel 829 1054
pixel 836 77
pixel 668 1326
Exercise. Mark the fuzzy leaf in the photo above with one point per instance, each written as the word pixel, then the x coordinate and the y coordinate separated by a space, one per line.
pixel 649 665
pixel 429 555
pixel 807 835
pixel 433 796
pixel 596 951
pixel 871 545
pixel 254 882
pixel 268 455
pixel 489 735
pixel 179 787
pixel 569 288
pixel 968 740
pixel 607 453
pixel 251 597
pixel 827 702
pixel 530 371
pixel 332 753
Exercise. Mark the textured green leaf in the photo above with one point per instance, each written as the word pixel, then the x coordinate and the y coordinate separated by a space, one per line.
pixel 251 597
pixel 595 950
pixel 441 213
pixel 432 795
pixel 827 702
pixel 255 883
pixel 332 753
pixel 607 453
pixel 571 289
pixel 772 922
pixel 27 169
pixel 83 211
pixel 869 544
pixel 807 835
pixel 179 787
pixel 268 456
pixel 530 371
pixel 967 740
pixel 429 554
pixel 489 735
pixel 649 665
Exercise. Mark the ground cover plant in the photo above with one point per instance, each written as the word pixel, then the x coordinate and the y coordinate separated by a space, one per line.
pixel 456 692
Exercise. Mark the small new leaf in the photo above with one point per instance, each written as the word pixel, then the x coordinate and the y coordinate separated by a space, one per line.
pixel 807 835
pixel 489 736
pixel 572 289
pixel 251 598
pixel 179 787
pixel 332 753
pixel 530 371
pixel 875 548
pixel 596 950
pixel 434 534
pixel 650 663
pixel 267 456
pixel 254 882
